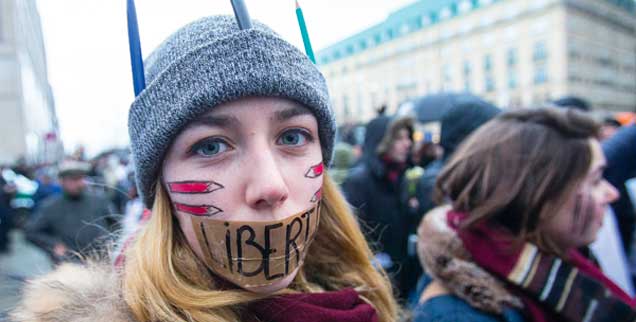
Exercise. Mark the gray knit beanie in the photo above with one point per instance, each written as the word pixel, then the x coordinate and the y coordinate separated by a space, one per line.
pixel 209 62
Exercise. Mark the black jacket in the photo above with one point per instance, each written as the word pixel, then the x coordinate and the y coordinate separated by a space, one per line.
pixel 380 205
pixel 620 151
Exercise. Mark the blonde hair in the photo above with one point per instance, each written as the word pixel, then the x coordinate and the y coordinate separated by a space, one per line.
pixel 165 281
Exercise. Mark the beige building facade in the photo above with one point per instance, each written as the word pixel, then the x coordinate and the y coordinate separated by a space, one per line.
pixel 513 53
pixel 28 123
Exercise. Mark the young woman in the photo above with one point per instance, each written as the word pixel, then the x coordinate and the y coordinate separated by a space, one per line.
pixel 525 193
pixel 230 139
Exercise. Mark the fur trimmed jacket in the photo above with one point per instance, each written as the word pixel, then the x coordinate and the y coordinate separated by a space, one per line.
pixel 74 293
pixel 470 292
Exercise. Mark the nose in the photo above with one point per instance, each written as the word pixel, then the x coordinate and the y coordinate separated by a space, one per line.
pixel 611 194
pixel 408 144
pixel 266 187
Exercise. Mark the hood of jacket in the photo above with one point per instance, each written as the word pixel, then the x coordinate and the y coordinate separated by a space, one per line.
pixel 74 293
pixel 379 135
pixel 466 114
pixel 445 259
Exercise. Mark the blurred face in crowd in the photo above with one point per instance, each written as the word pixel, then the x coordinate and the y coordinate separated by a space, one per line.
pixel 400 147
pixel 251 168
pixel 608 130
pixel 579 222
pixel 73 185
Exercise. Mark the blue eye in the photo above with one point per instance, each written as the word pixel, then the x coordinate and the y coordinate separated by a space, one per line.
pixel 294 137
pixel 210 147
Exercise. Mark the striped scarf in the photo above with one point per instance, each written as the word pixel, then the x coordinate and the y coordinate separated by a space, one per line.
pixel 552 289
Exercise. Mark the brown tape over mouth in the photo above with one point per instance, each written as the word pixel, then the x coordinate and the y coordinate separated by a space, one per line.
pixel 256 253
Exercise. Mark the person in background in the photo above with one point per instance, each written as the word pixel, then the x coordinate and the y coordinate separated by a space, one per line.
pixel 620 152
pixel 457 124
pixel 47 186
pixel 6 222
pixel 609 128
pixel 74 222
pixel 574 102
pixel 376 188
pixel 505 247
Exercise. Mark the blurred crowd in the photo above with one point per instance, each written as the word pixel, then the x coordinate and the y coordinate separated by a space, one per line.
pixel 72 208
pixel 387 169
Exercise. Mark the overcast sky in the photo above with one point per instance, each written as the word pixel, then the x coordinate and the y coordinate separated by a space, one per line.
pixel 89 65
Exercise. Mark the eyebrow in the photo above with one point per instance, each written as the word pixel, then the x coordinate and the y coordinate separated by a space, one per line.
pixel 222 121
pixel 289 113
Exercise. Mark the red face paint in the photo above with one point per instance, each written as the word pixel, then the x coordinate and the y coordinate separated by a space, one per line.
pixel 317 196
pixel 192 187
pixel 315 171
pixel 200 210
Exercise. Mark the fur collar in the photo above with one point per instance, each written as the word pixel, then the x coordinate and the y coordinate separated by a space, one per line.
pixel 74 293
pixel 444 258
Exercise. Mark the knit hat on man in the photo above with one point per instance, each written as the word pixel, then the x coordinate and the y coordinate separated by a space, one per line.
pixel 209 62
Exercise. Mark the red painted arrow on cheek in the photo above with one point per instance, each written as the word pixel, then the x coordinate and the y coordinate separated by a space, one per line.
pixel 199 210
pixel 317 196
pixel 192 187
pixel 315 171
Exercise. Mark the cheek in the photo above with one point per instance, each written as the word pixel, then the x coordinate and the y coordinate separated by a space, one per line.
pixel 197 190
pixel 307 187
pixel 559 226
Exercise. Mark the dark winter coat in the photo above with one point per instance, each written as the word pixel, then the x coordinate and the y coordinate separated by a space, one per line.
pixel 450 308
pixel 620 152
pixel 80 225
pixel 380 204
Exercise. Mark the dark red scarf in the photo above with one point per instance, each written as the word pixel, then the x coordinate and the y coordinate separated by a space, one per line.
pixel 393 169
pixel 341 306
pixel 551 288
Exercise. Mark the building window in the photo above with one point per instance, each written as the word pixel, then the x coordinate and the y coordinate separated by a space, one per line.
pixel 445 13
pixel 345 107
pixel 488 63
pixel 465 6
pixel 512 57
pixel 434 17
pixel 512 79
pixel 540 74
pixel 573 54
pixel 466 68
pixel 540 51
pixel 389 34
pixel 425 20
pixel 446 71
pixel 378 38
pixel 404 29
pixel 362 45
pixel 605 62
pixel 574 78
pixel 490 83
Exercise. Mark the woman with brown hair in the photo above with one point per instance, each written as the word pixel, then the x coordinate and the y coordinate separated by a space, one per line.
pixel 525 192
pixel 231 139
